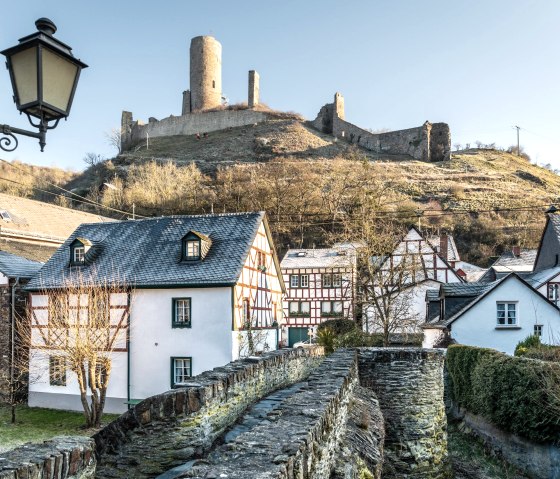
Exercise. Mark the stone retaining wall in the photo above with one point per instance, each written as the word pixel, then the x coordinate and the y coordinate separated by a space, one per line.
pixel 408 383
pixel 59 458
pixel 167 430
pixel 540 461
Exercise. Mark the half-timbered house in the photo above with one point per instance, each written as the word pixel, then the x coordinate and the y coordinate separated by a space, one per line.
pixel 320 285
pixel 201 291
pixel 413 267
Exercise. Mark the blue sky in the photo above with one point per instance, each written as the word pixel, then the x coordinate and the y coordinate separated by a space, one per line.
pixel 481 66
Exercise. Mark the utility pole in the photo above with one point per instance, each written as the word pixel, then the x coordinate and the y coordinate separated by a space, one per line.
pixel 518 128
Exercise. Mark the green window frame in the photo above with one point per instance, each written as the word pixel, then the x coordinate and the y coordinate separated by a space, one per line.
pixel 178 369
pixel 181 307
pixel 57 370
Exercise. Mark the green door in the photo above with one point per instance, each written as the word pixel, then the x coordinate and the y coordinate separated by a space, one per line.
pixel 296 335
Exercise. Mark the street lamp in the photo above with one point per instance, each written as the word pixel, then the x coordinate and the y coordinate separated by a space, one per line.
pixel 44 76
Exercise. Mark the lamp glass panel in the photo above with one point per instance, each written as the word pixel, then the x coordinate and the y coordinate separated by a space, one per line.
pixel 59 75
pixel 24 68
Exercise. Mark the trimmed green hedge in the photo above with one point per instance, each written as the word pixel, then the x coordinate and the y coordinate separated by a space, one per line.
pixel 518 395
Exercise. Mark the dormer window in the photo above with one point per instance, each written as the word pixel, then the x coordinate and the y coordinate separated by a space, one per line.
pixel 79 250
pixel 192 250
pixel 79 254
pixel 195 246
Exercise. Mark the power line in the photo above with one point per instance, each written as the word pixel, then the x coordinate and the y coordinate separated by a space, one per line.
pixel 85 200
pixel 66 197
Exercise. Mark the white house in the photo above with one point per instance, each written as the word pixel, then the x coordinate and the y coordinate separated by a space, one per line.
pixel 320 285
pixel 198 286
pixel 423 269
pixel 491 315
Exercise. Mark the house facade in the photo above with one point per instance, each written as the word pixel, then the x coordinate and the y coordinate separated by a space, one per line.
pixel 320 285
pixel 414 267
pixel 201 291
pixel 493 315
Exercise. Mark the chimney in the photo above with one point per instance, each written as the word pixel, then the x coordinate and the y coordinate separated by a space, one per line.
pixel 443 248
pixel 516 250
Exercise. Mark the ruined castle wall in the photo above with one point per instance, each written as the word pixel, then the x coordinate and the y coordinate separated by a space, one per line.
pixel 408 383
pixel 413 142
pixel 184 422
pixel 254 89
pixel 205 73
pixel 59 458
pixel 440 142
pixel 191 124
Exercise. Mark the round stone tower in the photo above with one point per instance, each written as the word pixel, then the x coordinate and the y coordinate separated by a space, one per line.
pixel 206 73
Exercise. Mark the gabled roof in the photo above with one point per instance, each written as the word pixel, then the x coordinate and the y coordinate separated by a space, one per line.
pixel 490 287
pixel 39 220
pixel 343 256
pixel 15 266
pixel 147 253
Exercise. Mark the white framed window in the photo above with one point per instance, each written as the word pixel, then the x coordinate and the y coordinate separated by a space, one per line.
pixel 246 311
pixel 537 330
pixel 181 371
pixel 192 249
pixel 299 281
pixel 327 280
pixel 79 254
pixel 506 314
pixel 57 370
pixel 294 281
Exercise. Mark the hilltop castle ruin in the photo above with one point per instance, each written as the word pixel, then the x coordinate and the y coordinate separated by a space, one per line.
pixel 203 111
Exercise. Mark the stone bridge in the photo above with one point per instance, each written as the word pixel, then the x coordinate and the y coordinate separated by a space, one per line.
pixel 358 413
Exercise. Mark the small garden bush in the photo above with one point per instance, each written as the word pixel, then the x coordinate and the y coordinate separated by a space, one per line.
pixel 338 326
pixel 518 395
pixel 530 342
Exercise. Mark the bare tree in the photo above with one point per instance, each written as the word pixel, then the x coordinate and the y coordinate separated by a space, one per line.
pixel 93 159
pixel 114 137
pixel 81 327
pixel 385 275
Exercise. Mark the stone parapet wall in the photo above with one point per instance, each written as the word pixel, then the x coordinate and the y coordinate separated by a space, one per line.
pixel 302 439
pixel 59 458
pixel 167 430
pixel 408 383
pixel 133 132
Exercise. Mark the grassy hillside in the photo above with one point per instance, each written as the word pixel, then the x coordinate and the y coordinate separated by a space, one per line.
pixel 307 181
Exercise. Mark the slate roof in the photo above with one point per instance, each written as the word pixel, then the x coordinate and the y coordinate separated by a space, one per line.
pixel 464 289
pixel 509 263
pixel 38 219
pixel 15 266
pixel 536 280
pixel 147 253
pixel 319 258
pixel 432 295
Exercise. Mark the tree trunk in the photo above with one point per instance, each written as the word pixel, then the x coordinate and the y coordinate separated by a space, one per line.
pixel 13 413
